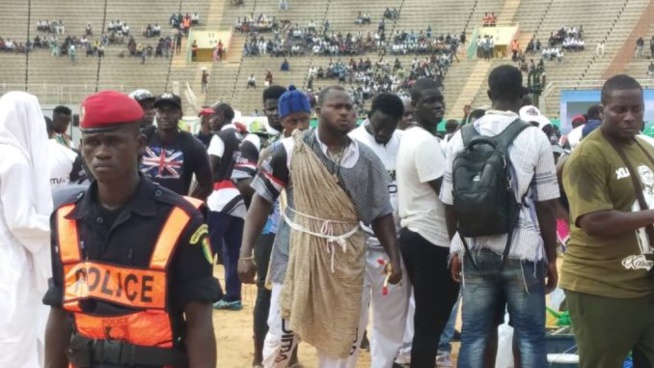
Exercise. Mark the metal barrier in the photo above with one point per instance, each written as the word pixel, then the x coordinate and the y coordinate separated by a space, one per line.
pixel 65 94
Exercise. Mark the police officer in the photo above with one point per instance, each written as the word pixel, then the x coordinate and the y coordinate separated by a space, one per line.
pixel 131 260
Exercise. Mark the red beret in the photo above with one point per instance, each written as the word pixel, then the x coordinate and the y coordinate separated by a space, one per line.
pixel 206 112
pixel 108 110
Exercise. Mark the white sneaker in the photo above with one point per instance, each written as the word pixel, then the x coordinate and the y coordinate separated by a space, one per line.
pixel 403 359
pixel 443 361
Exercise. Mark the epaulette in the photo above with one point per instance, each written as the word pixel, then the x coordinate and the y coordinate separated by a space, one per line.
pixel 188 204
pixel 68 194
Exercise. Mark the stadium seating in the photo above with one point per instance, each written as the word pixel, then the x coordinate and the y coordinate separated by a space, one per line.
pixel 57 80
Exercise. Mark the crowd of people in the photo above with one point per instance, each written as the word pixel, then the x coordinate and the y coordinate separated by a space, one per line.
pixel 329 223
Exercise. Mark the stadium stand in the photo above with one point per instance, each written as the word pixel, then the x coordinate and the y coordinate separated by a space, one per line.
pixel 58 80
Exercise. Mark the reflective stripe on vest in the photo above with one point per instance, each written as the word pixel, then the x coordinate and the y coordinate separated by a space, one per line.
pixel 141 289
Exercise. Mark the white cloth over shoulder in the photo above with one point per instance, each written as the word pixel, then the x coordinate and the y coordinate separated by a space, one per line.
pixel 25 208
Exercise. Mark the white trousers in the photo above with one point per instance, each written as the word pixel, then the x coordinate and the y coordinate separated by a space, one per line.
pixel 389 312
pixel 404 357
pixel 280 341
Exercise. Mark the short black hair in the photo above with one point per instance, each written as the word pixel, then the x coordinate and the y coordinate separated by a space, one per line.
pixel 593 112
pixel 617 83
pixel 62 110
pixel 505 83
pixel 227 111
pixel 389 104
pixel 325 91
pixel 273 93
pixel 421 85
pixel 49 125
pixel 451 125
pixel 476 114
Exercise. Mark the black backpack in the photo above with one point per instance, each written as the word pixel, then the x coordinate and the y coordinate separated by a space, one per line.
pixel 484 197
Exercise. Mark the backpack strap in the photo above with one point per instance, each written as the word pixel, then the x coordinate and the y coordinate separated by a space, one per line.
pixel 467 133
pixel 506 137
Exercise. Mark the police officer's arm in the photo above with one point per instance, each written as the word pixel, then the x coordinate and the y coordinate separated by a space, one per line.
pixel 202 171
pixel 58 329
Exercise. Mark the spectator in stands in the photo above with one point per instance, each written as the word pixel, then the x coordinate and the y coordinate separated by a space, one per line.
pixel 362 18
pixel 252 82
pixel 186 24
pixel 651 47
pixel 515 49
pixel 178 42
pixel 221 49
pixel 89 29
pixel 205 80
pixel 268 80
pixel 195 19
pixel 194 50
pixel 487 20
pixel 599 50
pixel 650 69
pixel 72 53
pixel 487 47
pixel 285 66
pixel 640 43
pixel 283 4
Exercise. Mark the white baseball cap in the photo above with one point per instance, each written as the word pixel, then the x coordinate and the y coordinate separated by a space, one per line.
pixel 531 113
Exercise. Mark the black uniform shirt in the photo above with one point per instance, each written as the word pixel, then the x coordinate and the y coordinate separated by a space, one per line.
pixel 127 237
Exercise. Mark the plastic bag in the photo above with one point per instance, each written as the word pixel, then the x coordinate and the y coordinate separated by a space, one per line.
pixel 504 345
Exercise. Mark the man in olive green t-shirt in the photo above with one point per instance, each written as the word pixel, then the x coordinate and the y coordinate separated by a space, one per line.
pixel 606 268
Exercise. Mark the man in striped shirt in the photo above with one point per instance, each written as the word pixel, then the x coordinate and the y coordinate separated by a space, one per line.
pixel 521 283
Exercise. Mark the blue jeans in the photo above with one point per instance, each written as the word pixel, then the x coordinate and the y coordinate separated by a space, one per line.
pixel 445 345
pixel 522 285
pixel 230 229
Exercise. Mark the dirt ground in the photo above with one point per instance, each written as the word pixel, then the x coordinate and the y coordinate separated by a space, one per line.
pixel 234 335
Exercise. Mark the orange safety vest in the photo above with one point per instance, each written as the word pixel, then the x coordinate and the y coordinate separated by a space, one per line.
pixel 145 290
pixel 186 22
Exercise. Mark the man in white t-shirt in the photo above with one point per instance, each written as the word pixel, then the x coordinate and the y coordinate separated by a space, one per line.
pixel 424 239
pixel 60 159
pixel 380 134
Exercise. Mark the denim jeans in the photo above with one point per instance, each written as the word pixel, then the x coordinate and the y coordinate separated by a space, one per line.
pixel 230 229
pixel 445 345
pixel 522 285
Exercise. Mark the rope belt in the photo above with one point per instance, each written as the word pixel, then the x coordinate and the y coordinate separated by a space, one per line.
pixel 326 232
